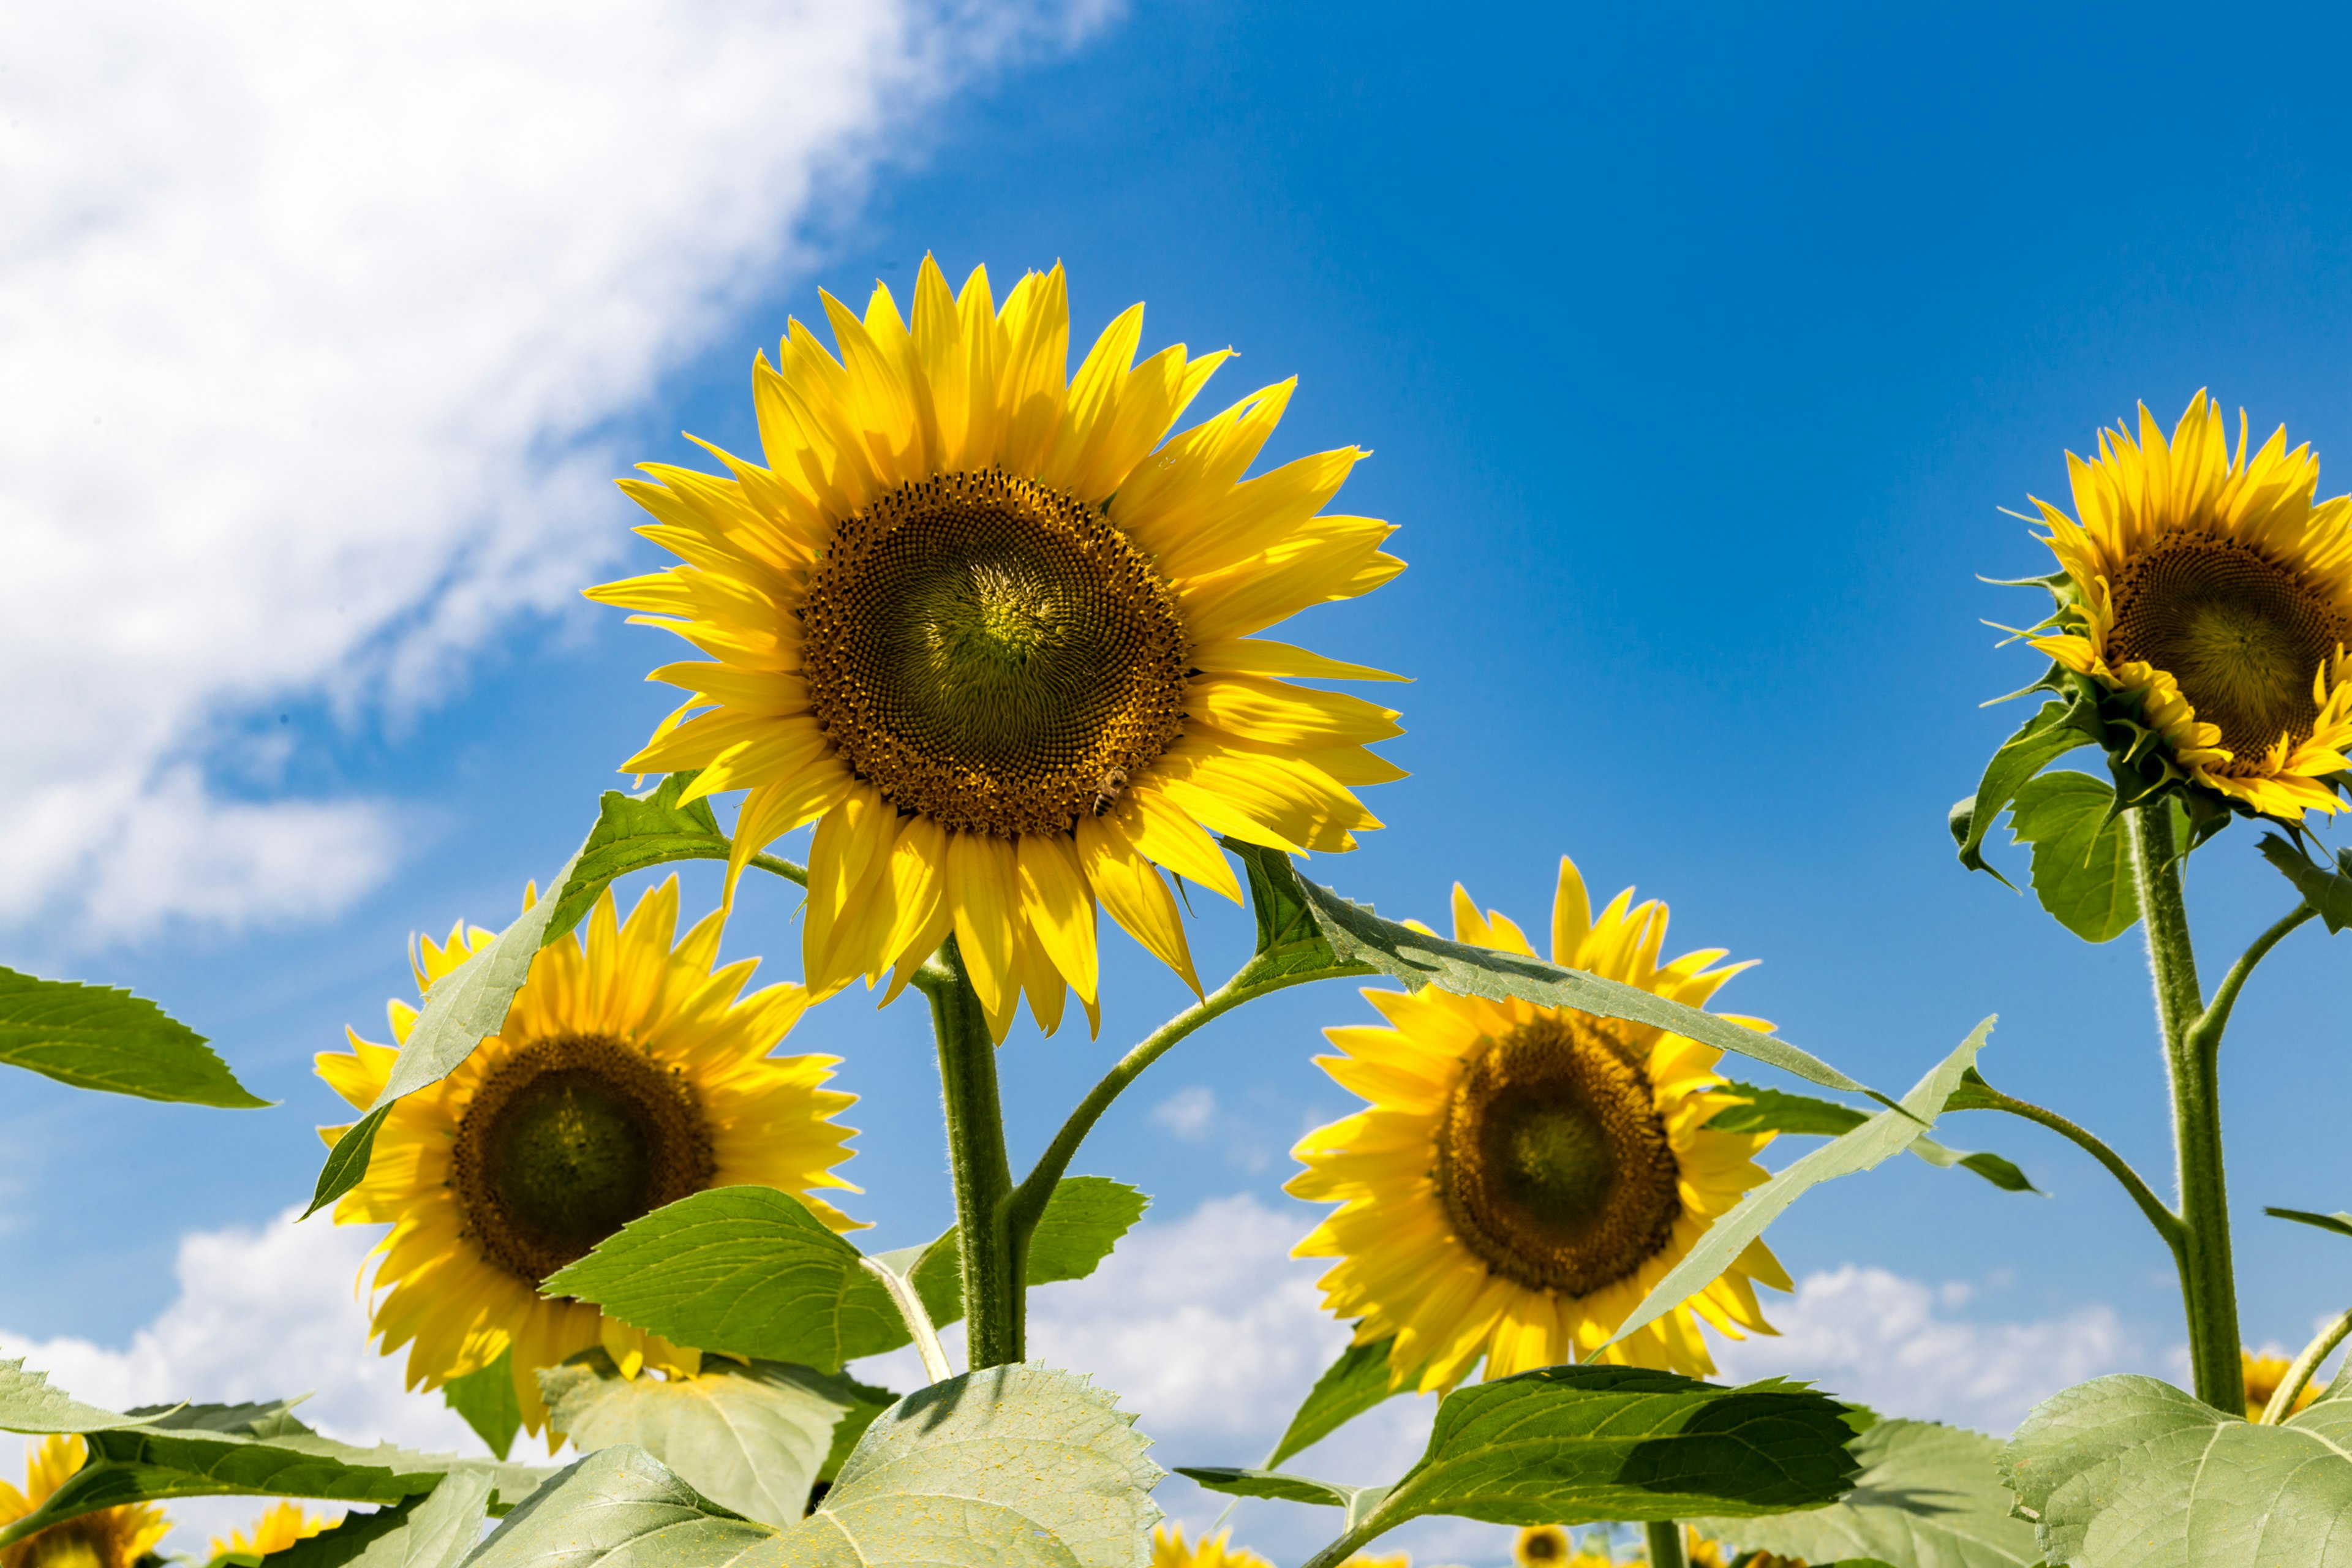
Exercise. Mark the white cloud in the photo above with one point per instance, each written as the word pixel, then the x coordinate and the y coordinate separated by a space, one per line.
pixel 1188 1114
pixel 312 317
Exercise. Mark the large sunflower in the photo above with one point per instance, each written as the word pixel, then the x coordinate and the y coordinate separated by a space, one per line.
pixel 627 1076
pixel 110 1538
pixel 1524 1174
pixel 2207 590
pixel 979 624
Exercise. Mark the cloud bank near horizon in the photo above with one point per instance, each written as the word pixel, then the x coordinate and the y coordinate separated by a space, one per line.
pixel 313 317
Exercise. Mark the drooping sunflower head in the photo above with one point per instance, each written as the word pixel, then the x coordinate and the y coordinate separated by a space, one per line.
pixel 989 627
pixel 2263 1375
pixel 1524 1175
pixel 2208 596
pixel 629 1074
pixel 110 1538
pixel 281 1525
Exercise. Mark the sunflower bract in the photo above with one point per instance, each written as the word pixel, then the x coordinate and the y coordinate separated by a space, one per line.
pixel 991 628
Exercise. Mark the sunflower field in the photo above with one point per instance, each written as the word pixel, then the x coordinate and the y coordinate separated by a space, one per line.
pixel 998 632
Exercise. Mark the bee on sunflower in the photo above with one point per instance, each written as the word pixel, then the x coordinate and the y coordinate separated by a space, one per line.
pixel 993 629
pixel 2204 602
pixel 1523 1176
pixel 123 1537
pixel 629 1074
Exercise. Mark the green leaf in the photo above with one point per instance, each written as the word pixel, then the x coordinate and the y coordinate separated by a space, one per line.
pixel 434 1530
pixel 2041 740
pixel 2082 865
pixel 94 1036
pixel 2128 1471
pixel 631 834
pixel 347 1161
pixel 1802 1115
pixel 1357 1502
pixel 487 1399
pixel 868 1401
pixel 751 1438
pixel 253 1450
pixel 1417 958
pixel 2339 1222
pixel 746 1270
pixel 1577 1445
pixel 618 1508
pixel 1929 1496
pixel 2329 893
pixel 1288 939
pixel 1887 1134
pixel 1350 1386
pixel 29 1403
pixel 1084 1219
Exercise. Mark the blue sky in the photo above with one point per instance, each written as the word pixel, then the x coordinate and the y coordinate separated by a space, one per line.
pixel 1697 352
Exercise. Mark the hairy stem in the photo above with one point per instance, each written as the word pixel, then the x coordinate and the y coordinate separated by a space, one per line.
pixel 2166 1222
pixel 2282 1402
pixel 2216 1017
pixel 993 1264
pixel 1666 1545
pixel 2208 1281
pixel 1256 978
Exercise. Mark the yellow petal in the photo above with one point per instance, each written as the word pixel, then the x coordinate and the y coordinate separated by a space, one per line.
pixel 1130 888
pixel 1059 913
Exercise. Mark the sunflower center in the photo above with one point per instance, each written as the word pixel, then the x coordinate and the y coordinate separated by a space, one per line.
pixel 566 1141
pixel 1552 1161
pixel 989 652
pixel 2244 639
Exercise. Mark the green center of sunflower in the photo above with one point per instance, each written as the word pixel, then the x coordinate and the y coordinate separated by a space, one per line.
pixel 566 1141
pixel 2243 636
pixel 993 653
pixel 1552 1161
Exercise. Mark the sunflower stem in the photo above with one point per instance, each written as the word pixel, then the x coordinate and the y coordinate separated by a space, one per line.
pixel 994 1307
pixel 1666 1545
pixel 2166 1222
pixel 2282 1402
pixel 2192 1058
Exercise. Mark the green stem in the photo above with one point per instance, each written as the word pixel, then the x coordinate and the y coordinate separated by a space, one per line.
pixel 796 875
pixel 1255 979
pixel 993 1265
pixel 1666 1545
pixel 2208 1282
pixel 2282 1402
pixel 2216 1017
pixel 2166 1222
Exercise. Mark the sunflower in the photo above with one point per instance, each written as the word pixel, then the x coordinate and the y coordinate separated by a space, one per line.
pixel 1171 1550
pixel 2210 596
pixel 627 1075
pixel 991 630
pixel 1524 1174
pixel 281 1525
pixel 110 1538
pixel 1548 1546
pixel 2263 1375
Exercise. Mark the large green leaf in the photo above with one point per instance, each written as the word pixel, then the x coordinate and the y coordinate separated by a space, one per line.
pixel 1418 958
pixel 746 1270
pixel 2049 735
pixel 2126 1470
pixel 1881 1138
pixel 434 1530
pixel 2081 863
pixel 1084 1219
pixel 619 1508
pixel 256 1450
pixel 1928 1497
pixel 1802 1115
pixel 30 1402
pixel 2329 892
pixel 94 1036
pixel 487 1399
pixel 1575 1445
pixel 1350 1386
pixel 749 1438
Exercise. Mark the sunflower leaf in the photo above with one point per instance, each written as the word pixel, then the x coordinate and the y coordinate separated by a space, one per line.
pixel 2339 1222
pixel 30 1402
pixel 1084 1219
pixel 1357 1501
pixel 95 1037
pixel 633 833
pixel 1356 1382
pixel 2128 1471
pixel 1289 938
pixel 749 1438
pixel 2049 735
pixel 1926 1494
pixel 1576 1445
pixel 434 1530
pixel 746 1270
pixel 618 1508
pixel 2329 893
pixel 1802 1115
pixel 347 1161
pixel 487 1399
pixel 1872 1142
pixel 2082 865
pixel 1419 958
pixel 247 1450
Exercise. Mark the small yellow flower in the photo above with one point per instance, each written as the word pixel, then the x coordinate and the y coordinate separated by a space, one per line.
pixel 2263 1375
pixel 1170 1550
pixel 2211 594
pixel 1524 1175
pixel 627 1075
pixel 110 1538
pixel 281 1526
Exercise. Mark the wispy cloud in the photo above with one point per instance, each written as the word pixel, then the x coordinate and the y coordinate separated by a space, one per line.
pixel 311 318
